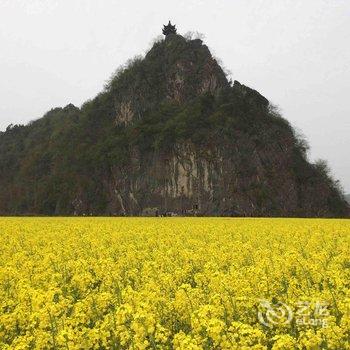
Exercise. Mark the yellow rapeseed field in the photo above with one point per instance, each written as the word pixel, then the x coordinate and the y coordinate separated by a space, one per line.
pixel 174 283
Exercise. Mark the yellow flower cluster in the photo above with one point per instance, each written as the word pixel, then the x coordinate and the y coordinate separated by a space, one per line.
pixel 174 283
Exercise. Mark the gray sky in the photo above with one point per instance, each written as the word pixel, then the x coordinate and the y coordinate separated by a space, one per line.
pixel 296 53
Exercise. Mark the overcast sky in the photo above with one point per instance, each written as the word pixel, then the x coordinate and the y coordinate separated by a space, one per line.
pixel 296 53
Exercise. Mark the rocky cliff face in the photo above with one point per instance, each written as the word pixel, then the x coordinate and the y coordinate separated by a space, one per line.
pixel 174 70
pixel 170 134
pixel 225 177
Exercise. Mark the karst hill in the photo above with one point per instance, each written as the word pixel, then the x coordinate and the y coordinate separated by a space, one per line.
pixel 169 134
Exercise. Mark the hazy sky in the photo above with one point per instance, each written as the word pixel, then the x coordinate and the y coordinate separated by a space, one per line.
pixel 296 53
